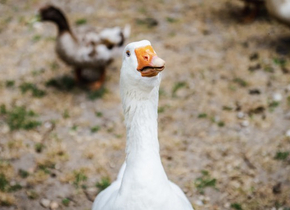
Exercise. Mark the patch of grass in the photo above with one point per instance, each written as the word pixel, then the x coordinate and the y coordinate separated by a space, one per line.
pixel 36 38
pixel 95 129
pixel 64 83
pixel 148 22
pixel 204 181
pixel 273 104
pixel 36 92
pixel 3 109
pixel 4 184
pixel 9 83
pixel 221 124
pixel 46 166
pixel 227 108
pixel 23 174
pixel 280 62
pixel 161 109
pixel 162 92
pixel 65 114
pixel 65 201
pixel 99 114
pixel 54 65
pixel 281 155
pixel 236 206
pixel 104 183
pixel 177 86
pixel 240 82
pixel 74 127
pixel 20 118
pixel 202 115
pixel 80 177
pixel 81 21
pixel 31 194
pixel 38 147
pixel 92 95
pixel 171 20
pixel 14 188
pixel 269 69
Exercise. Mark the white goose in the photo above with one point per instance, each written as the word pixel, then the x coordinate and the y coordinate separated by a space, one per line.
pixel 142 183
pixel 280 9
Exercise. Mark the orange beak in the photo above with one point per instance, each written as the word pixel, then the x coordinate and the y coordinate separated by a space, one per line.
pixel 149 64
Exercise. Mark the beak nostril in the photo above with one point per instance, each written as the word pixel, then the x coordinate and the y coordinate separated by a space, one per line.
pixel 146 57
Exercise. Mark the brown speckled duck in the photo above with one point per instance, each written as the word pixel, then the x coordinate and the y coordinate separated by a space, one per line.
pixel 87 49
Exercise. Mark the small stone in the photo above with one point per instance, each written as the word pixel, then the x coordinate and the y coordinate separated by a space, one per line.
pixel 199 203
pixel 45 202
pixel 91 193
pixel 245 123
pixel 53 205
pixel 227 205
pixel 288 133
pixel 240 115
pixel 277 97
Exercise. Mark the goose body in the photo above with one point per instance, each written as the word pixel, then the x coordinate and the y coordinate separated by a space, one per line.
pixel 85 49
pixel 142 183
pixel 280 9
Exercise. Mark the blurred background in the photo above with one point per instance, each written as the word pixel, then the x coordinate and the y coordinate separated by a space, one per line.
pixel 224 117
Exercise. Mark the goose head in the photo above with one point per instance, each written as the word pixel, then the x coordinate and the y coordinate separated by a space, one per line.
pixel 141 66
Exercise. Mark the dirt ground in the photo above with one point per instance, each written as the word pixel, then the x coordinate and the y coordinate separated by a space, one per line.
pixel 224 117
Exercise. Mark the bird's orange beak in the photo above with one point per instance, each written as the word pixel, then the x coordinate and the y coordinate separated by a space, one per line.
pixel 149 64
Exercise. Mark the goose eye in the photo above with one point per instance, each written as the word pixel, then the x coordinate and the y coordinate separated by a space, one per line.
pixel 128 53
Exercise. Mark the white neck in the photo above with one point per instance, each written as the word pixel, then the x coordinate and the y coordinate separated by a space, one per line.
pixel 140 111
pixel 144 168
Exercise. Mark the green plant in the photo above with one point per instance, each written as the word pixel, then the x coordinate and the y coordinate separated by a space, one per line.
pixel 202 115
pixel 104 183
pixel 15 187
pixel 36 92
pixel 80 177
pixel 23 174
pixel 3 109
pixel 39 147
pixel 236 206
pixel 178 86
pixel 280 62
pixel 99 114
pixel 92 95
pixel 3 183
pixel 221 124
pixel 95 129
pixel 64 83
pixel 240 82
pixel 20 118
pixel 65 201
pixel 204 181
pixel 32 194
pixel 9 83
pixel 281 155
pixel 65 114
pixel 81 21
pixel 273 104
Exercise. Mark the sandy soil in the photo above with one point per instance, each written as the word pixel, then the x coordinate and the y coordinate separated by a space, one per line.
pixel 223 112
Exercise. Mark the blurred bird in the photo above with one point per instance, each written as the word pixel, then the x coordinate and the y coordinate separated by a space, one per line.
pixel 279 9
pixel 85 49
pixel 251 9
